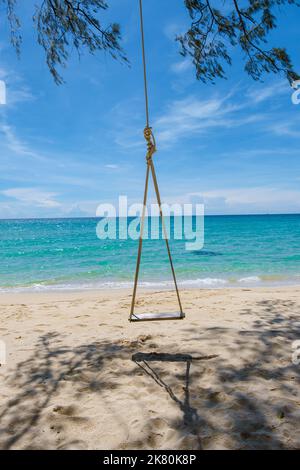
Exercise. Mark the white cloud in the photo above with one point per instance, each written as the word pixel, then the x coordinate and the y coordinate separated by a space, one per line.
pixel 16 91
pixel 13 143
pixel 193 116
pixel 3 72
pixel 264 92
pixel 284 129
pixel 127 119
pixel 181 66
pixel 111 166
pixel 2 93
pixel 261 152
pixel 189 116
pixel 20 95
pixel 253 195
pixel 11 208
pixel 173 29
pixel 32 196
pixel 253 200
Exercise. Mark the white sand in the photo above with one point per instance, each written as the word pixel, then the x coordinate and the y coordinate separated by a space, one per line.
pixel 71 381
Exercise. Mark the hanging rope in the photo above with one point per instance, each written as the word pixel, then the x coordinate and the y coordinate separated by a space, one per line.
pixel 151 149
pixel 144 63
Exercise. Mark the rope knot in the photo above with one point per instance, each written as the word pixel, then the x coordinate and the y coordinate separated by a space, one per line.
pixel 151 144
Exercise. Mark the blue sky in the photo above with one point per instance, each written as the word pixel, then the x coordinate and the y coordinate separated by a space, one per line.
pixel 64 150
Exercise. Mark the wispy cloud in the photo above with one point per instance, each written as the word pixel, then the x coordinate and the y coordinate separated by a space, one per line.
pixel 183 118
pixel 258 199
pixel 13 143
pixel 193 116
pixel 111 166
pixel 19 95
pixel 285 129
pixel 174 28
pixel 253 195
pixel 126 123
pixel 265 91
pixel 3 72
pixel 10 208
pixel 275 151
pixel 251 200
pixel 16 91
pixel 181 66
pixel 2 93
pixel 33 196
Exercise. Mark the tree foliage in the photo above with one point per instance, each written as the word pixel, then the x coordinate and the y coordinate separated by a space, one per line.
pixel 14 23
pixel 65 24
pixel 217 29
pixel 246 25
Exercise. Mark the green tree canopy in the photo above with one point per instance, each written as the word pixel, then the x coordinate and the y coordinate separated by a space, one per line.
pixel 216 29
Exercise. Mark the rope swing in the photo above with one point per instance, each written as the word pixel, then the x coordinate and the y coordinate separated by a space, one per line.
pixel 151 149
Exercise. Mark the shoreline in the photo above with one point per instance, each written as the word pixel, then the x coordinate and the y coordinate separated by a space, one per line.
pixel 58 295
pixel 198 284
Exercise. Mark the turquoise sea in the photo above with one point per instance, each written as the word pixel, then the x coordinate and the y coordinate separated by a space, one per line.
pixel 44 254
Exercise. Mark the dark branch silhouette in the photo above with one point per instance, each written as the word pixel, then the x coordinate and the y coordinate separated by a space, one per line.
pixel 65 24
pixel 216 31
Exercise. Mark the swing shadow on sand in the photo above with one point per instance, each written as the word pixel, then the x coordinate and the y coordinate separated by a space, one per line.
pixel 191 419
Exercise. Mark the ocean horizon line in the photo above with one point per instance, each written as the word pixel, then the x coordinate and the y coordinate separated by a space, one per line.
pixel 262 214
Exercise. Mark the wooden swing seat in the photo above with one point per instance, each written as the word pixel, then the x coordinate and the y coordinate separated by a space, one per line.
pixel 157 316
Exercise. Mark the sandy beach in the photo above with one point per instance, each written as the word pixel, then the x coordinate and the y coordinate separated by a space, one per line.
pixel 78 375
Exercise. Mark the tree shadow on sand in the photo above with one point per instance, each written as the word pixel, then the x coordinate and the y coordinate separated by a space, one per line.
pixel 242 392
pixel 38 379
